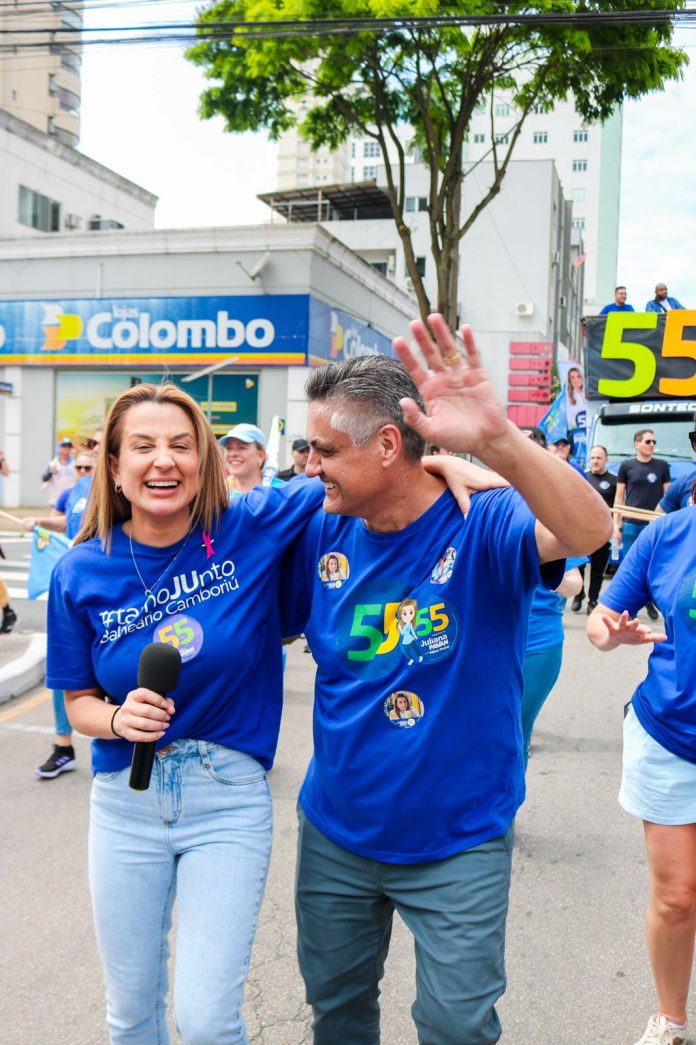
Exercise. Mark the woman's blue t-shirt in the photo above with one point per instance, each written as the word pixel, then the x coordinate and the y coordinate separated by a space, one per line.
pixel 221 612
pixel 661 568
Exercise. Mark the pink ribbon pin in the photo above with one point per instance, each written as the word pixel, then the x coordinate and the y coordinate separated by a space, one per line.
pixel 208 544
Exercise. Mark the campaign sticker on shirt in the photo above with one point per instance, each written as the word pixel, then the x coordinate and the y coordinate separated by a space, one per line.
pixel 184 633
pixel 404 708
pixel 379 631
pixel 333 570
pixel 604 485
pixel 445 565
pixel 651 477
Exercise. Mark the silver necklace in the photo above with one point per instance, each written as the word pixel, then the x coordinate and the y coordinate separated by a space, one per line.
pixel 149 590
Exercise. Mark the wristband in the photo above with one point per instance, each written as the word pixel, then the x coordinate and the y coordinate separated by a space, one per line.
pixel 120 737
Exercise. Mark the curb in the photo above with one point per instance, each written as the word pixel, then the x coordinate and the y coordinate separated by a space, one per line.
pixel 26 671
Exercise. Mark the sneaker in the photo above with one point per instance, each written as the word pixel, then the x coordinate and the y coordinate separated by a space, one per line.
pixel 62 759
pixel 9 619
pixel 576 604
pixel 650 607
pixel 659 1032
pixel 590 606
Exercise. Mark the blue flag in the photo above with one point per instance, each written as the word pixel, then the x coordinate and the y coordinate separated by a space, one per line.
pixel 47 548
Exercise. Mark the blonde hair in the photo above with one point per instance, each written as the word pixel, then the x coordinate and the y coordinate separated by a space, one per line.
pixel 107 507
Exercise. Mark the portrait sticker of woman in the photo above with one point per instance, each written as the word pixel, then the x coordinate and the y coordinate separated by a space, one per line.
pixel 408 640
pixel 445 565
pixel 403 708
pixel 333 569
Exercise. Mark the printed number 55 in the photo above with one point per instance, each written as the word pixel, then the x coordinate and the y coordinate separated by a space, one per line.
pixel 176 634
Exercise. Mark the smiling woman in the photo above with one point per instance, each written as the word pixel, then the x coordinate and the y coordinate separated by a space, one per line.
pixel 164 558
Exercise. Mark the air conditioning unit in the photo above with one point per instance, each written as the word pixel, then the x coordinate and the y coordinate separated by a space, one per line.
pixel 73 221
pixel 556 257
pixel 391 264
pixel 524 308
pixel 562 301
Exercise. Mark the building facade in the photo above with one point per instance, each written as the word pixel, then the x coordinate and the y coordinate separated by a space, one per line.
pixel 40 73
pixel 239 317
pixel 49 187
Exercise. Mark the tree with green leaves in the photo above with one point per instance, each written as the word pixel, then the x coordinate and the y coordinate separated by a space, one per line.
pixel 369 67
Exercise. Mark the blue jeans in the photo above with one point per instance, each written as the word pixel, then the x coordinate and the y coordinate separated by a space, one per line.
pixel 455 908
pixel 630 534
pixel 540 671
pixel 201 834
pixel 63 727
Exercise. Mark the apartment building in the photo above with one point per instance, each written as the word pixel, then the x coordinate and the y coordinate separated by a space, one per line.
pixel 40 72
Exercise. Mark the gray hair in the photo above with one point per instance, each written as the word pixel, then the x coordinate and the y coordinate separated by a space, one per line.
pixel 365 393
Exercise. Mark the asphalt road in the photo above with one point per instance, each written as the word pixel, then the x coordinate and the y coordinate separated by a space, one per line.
pixel 577 969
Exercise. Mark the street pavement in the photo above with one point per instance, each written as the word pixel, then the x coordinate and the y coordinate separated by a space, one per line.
pixel 577 968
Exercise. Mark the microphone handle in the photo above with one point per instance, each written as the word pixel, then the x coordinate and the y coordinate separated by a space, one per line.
pixel 141 766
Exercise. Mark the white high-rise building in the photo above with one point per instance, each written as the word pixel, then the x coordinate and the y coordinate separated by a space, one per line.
pixel 588 160
pixel 41 84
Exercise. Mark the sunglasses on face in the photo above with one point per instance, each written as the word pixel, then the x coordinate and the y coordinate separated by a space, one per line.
pixel 650 442
pixel 91 444
pixel 83 467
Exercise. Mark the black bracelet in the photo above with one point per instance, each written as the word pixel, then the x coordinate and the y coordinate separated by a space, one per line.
pixel 120 737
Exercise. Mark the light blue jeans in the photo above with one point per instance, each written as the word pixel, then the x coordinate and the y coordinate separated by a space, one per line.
pixel 201 834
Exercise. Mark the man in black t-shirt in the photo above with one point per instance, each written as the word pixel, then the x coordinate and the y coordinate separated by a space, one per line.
pixel 642 482
pixel 300 455
pixel 605 485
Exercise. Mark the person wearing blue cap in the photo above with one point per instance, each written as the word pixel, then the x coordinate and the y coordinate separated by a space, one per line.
pixel 245 455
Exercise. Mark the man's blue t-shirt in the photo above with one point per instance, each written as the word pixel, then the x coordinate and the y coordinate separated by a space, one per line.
pixel 417 744
pixel 661 568
pixel 616 308
pixel 546 619
pixel 220 611
pixel 678 493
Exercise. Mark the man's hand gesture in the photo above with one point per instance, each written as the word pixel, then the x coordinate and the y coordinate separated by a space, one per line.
pixel 464 413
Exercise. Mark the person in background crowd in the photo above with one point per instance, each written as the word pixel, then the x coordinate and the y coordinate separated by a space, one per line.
pixel 563 448
pixel 618 304
pixel 9 617
pixel 537 435
pixel 658 783
pixel 642 481
pixel 545 636
pixel 662 302
pixel 300 453
pixel 604 483
pixel 435 450
pixel 244 449
pixel 60 473
pixel 66 517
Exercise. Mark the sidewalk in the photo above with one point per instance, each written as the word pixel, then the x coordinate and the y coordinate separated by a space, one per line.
pixel 22 655
pixel 22 663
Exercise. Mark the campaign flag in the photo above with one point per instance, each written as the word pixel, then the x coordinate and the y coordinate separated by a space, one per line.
pixel 47 548
pixel 554 423
pixel 270 468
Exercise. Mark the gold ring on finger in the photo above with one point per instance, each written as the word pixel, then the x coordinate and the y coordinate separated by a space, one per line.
pixel 451 360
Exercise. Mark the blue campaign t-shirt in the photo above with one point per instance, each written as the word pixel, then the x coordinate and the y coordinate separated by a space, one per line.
pixel 546 618
pixel 417 743
pixel 220 611
pixel 678 493
pixel 661 568
pixel 73 503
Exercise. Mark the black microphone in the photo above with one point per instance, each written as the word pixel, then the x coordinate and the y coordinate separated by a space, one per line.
pixel 158 670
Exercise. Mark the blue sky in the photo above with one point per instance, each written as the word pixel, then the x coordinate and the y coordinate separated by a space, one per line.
pixel 139 117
